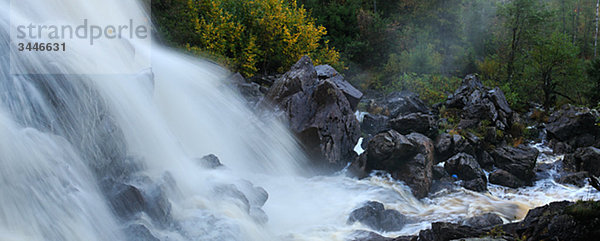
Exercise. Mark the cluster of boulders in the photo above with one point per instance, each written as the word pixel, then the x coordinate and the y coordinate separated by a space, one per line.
pixel 471 139
pixel 555 221
pixel 406 138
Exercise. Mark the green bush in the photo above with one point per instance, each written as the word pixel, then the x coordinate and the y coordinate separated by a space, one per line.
pixel 248 36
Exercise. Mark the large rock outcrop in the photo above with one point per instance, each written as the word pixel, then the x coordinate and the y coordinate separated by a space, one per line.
pixel 477 103
pixel 319 112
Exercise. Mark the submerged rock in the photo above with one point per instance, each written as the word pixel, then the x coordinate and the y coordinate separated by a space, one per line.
pixel 319 113
pixel 375 216
pixel 209 161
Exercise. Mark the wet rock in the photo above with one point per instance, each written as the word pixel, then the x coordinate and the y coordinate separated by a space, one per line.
pixel 482 221
pixel 404 102
pixel 374 124
pixel 584 159
pixel 415 122
pixel 519 161
pixel 319 114
pixel 441 231
pixel 257 196
pixel 444 147
pixel 126 200
pixel 504 178
pixel 353 95
pixel 375 216
pixel 439 172
pixel 209 161
pixel 139 232
pixel 561 221
pixel 258 215
pixel 408 158
pixel 466 168
pixel 575 179
pixel 574 126
pixel 229 192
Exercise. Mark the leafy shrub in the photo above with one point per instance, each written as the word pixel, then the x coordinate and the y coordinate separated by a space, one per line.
pixel 248 36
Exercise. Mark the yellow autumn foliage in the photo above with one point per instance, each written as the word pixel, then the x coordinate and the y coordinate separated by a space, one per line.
pixel 257 35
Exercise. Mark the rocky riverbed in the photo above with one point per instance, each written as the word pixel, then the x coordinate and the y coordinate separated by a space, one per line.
pixel 468 167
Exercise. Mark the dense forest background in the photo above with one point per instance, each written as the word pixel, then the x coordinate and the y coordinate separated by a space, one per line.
pixel 538 51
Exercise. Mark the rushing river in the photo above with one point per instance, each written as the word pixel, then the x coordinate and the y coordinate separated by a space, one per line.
pixel 63 135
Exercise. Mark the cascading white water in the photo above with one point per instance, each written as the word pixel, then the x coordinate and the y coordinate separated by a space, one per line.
pixel 64 137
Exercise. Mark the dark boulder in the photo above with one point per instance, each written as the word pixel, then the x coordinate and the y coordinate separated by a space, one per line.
pixel 319 114
pixel 464 166
pixel 375 216
pixel 519 161
pixel 575 179
pixel 415 122
pixel 404 102
pixel 408 158
pixel 467 169
pixel 574 126
pixel 374 124
pixel 441 231
pixel 584 159
pixel 504 178
pixel 328 73
pixel 209 161
pixel 483 221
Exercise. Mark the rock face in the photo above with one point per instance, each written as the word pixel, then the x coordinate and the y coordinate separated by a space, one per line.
pixel 576 127
pixel 408 158
pixel 375 216
pixel 584 160
pixel 374 124
pixel 476 104
pixel 504 178
pixel 518 161
pixel 404 102
pixel 483 221
pixel 353 95
pixel 319 113
pixel 441 231
pixel 415 122
pixel 467 169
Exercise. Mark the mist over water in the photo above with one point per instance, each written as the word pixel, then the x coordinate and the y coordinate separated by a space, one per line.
pixel 67 140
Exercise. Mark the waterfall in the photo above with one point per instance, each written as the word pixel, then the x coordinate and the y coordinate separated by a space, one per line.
pixel 102 142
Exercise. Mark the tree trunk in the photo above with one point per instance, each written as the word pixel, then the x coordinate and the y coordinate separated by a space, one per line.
pixel 596 37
